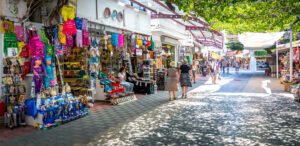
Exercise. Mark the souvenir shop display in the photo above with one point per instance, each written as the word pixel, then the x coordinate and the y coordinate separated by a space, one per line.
pixel 13 90
pixel 74 70
pixel 148 69
pixel 55 59
pixel 141 85
pixel 161 80
pixel 295 89
pixel 287 80
pixel 113 57
pixel 57 109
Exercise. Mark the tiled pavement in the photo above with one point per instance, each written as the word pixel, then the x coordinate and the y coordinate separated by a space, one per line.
pixel 237 111
pixel 232 114
pixel 84 130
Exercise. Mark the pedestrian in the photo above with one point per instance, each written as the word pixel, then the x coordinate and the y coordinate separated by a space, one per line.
pixel 185 80
pixel 224 65
pixel 194 69
pixel 203 68
pixel 228 66
pixel 172 81
pixel 122 77
pixel 237 67
pixel 214 71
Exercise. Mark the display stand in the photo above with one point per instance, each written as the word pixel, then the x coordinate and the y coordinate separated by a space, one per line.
pixel 100 94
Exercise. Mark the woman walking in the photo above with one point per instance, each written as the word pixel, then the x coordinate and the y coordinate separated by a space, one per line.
pixel 194 69
pixel 172 81
pixel 214 71
pixel 185 80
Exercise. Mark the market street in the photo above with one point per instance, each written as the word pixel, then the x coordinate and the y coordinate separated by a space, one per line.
pixel 238 110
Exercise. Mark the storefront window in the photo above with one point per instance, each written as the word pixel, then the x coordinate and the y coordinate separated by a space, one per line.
pixel 168 54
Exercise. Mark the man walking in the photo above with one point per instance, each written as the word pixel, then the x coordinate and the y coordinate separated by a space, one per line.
pixel 223 65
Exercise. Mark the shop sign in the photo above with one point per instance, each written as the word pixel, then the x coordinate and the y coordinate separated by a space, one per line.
pixel 114 15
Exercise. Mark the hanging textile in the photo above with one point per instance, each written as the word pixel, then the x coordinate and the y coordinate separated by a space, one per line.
pixel 114 39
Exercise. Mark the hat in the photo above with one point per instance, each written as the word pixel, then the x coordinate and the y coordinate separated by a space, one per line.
pixel 172 64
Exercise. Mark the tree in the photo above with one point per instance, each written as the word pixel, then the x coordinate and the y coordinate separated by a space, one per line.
pixel 235 46
pixel 237 16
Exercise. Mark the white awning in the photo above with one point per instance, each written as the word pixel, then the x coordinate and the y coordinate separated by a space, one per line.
pixel 258 41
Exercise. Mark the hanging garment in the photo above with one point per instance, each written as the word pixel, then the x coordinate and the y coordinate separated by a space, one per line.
pixel 7 26
pixel 70 41
pixel 78 23
pixel 36 47
pixel 144 41
pixel 25 52
pixel 148 42
pixel 114 39
pixel 20 46
pixel 152 44
pixel 139 41
pixel 43 36
pixel 61 35
pixel 19 31
pixel 68 12
pixel 121 40
pixel 57 46
pixel 85 38
pixel 79 38
pixel 49 31
pixel 84 24
pixel 49 50
pixel 69 27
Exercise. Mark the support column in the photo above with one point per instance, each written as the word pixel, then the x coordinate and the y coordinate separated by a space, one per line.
pixel 291 52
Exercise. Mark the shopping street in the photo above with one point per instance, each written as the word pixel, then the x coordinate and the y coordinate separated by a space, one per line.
pixel 149 72
pixel 236 111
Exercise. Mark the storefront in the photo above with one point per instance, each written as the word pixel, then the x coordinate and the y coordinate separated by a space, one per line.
pixel 288 81
pixel 125 41
pixel 45 74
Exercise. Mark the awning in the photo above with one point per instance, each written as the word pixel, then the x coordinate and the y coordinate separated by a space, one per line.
pixel 258 41
pixel 215 56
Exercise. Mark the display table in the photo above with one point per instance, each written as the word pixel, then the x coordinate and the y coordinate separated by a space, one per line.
pixel 100 94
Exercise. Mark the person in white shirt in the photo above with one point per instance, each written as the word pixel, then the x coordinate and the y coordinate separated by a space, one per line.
pixel 122 77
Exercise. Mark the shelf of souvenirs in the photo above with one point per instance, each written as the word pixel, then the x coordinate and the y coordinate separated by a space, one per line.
pixel 5 75
pixel 13 94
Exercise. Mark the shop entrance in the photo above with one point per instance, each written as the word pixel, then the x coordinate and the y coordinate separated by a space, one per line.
pixel 168 54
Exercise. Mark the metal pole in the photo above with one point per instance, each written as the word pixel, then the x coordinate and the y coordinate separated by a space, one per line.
pixel 277 61
pixel 291 52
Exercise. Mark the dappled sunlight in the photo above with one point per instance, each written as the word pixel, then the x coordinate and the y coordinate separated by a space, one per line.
pixel 216 118
pixel 212 117
pixel 208 87
pixel 266 86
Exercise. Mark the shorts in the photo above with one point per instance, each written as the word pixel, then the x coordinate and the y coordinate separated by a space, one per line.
pixel 194 72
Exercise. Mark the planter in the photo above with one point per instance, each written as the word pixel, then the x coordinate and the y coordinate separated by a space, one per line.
pixel 287 86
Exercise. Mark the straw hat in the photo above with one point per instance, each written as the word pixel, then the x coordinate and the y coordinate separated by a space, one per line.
pixel 172 64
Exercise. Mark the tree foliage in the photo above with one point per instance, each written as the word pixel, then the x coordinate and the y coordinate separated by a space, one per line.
pixel 235 46
pixel 237 16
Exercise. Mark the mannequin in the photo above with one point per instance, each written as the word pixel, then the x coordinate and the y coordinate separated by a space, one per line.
pixel 38 71
pixel 49 78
